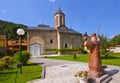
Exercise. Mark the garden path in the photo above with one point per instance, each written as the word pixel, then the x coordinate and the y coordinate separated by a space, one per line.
pixel 62 71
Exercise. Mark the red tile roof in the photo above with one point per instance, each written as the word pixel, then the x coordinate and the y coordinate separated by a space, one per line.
pixel 16 43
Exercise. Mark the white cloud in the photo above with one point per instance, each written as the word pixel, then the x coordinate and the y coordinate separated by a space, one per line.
pixel 52 0
pixel 3 11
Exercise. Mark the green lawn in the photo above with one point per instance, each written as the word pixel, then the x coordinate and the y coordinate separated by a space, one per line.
pixel 30 72
pixel 111 60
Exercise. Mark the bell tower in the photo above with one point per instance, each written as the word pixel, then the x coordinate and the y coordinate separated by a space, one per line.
pixel 59 18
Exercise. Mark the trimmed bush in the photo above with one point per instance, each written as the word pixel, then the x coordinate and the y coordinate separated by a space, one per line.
pixel 25 57
pixel 6 61
pixel 51 49
pixel 1 65
pixel 69 50
pixel 6 58
pixel 1 55
pixel 66 50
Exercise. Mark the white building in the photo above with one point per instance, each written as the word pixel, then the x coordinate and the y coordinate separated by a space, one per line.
pixel 115 49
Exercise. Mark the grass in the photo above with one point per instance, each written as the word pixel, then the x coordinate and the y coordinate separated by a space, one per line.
pixel 80 58
pixel 110 60
pixel 29 72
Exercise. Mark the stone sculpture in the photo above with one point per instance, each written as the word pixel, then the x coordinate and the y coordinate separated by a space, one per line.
pixel 95 66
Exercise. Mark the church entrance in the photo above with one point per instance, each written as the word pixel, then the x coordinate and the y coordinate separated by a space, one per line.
pixel 36 49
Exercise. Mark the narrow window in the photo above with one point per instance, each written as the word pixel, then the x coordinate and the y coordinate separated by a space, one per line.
pixel 51 41
pixel 56 21
pixel 61 20
pixel 65 45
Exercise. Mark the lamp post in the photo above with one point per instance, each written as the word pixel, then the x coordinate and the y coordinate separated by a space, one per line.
pixel 20 32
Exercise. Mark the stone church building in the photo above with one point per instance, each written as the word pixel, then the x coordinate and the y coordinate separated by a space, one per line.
pixel 42 39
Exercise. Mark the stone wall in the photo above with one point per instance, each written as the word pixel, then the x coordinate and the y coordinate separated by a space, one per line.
pixel 46 38
pixel 51 39
pixel 76 40
pixel 72 40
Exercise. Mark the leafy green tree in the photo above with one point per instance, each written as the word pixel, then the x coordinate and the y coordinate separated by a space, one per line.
pixel 104 44
pixel 115 40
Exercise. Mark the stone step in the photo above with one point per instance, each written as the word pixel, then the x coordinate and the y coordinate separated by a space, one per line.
pixel 107 80
pixel 102 78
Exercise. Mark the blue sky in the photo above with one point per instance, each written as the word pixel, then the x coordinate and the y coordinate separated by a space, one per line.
pixel 81 15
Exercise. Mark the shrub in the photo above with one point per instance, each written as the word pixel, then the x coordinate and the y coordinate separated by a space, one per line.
pixel 6 58
pixel 25 57
pixel 67 49
pixel 16 57
pixel 51 49
pixel 112 54
pixel 1 54
pixel 118 54
pixel 82 74
pixel 11 60
pixel 6 61
pixel 1 65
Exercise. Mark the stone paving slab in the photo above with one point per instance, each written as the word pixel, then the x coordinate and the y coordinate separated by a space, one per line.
pixel 61 71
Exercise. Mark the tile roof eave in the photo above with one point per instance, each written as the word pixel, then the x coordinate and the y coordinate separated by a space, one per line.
pixel 71 33
pixel 41 29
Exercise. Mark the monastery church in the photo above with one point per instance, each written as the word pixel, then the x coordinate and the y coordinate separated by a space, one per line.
pixel 43 38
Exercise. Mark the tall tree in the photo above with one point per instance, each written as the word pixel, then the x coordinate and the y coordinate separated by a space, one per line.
pixel 104 44
pixel 115 40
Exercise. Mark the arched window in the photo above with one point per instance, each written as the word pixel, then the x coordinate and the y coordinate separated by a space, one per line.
pixel 51 41
pixel 61 20
pixel 56 20
pixel 65 45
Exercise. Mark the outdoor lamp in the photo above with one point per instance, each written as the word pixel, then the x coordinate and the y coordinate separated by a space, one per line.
pixel 20 32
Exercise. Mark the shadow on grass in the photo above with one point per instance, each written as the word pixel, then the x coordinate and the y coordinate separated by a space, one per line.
pixel 38 77
pixel 32 64
pixel 8 72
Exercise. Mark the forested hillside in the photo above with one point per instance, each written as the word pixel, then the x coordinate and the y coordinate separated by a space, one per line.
pixel 10 29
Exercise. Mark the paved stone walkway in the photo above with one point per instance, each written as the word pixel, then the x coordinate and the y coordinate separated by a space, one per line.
pixel 61 71
pixel 51 62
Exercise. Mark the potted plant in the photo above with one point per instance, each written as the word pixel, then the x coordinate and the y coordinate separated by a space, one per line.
pixel 82 76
